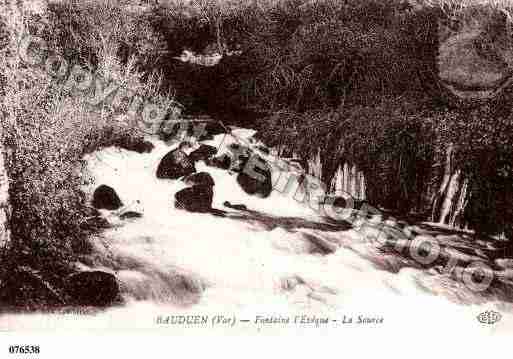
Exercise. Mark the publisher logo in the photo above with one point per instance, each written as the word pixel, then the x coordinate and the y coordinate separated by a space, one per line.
pixel 489 317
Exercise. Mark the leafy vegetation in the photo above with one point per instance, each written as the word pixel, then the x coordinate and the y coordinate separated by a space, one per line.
pixel 49 127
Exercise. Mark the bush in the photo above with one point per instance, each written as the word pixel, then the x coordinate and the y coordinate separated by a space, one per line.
pixel 49 128
pixel 94 33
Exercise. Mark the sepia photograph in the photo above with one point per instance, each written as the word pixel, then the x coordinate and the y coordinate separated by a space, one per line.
pixel 256 167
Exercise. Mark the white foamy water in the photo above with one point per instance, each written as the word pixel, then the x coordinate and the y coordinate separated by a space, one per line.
pixel 172 262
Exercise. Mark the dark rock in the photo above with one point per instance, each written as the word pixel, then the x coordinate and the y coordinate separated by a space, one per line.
pixel 130 214
pixel 203 153
pixel 223 162
pixel 239 207
pixel 255 178
pixel 195 199
pixel 200 178
pixel 24 287
pixel 174 165
pixel 105 197
pixel 94 288
pixel 143 147
pixel 136 146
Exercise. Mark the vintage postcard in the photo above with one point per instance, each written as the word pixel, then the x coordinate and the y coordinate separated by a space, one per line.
pixel 256 167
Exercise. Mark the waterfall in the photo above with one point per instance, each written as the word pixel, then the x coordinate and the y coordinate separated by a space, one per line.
pixel 4 200
pixel 460 204
pixel 348 179
pixel 315 165
pixel 449 202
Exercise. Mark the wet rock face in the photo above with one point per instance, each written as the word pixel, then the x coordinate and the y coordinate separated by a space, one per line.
pixel 105 197
pixel 195 199
pixel 475 58
pixel 95 288
pixel 175 164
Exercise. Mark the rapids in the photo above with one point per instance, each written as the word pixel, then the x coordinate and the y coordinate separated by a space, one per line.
pixel 264 262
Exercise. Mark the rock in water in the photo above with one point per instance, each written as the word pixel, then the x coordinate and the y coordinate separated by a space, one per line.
pixel 140 147
pixel 130 215
pixel 200 178
pixel 175 164
pixel 203 153
pixel 235 159
pixel 195 199
pixel 255 178
pixel 105 197
pixel 94 288
pixel 239 207
pixel 23 287
pixel 223 162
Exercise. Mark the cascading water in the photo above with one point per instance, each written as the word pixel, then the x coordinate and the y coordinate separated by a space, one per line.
pixel 280 257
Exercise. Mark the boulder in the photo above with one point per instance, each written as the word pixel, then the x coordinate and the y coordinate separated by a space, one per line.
pixel 105 197
pixel 255 178
pixel 195 199
pixel 175 164
pixel 203 153
pixel 24 287
pixel 200 178
pixel 92 288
